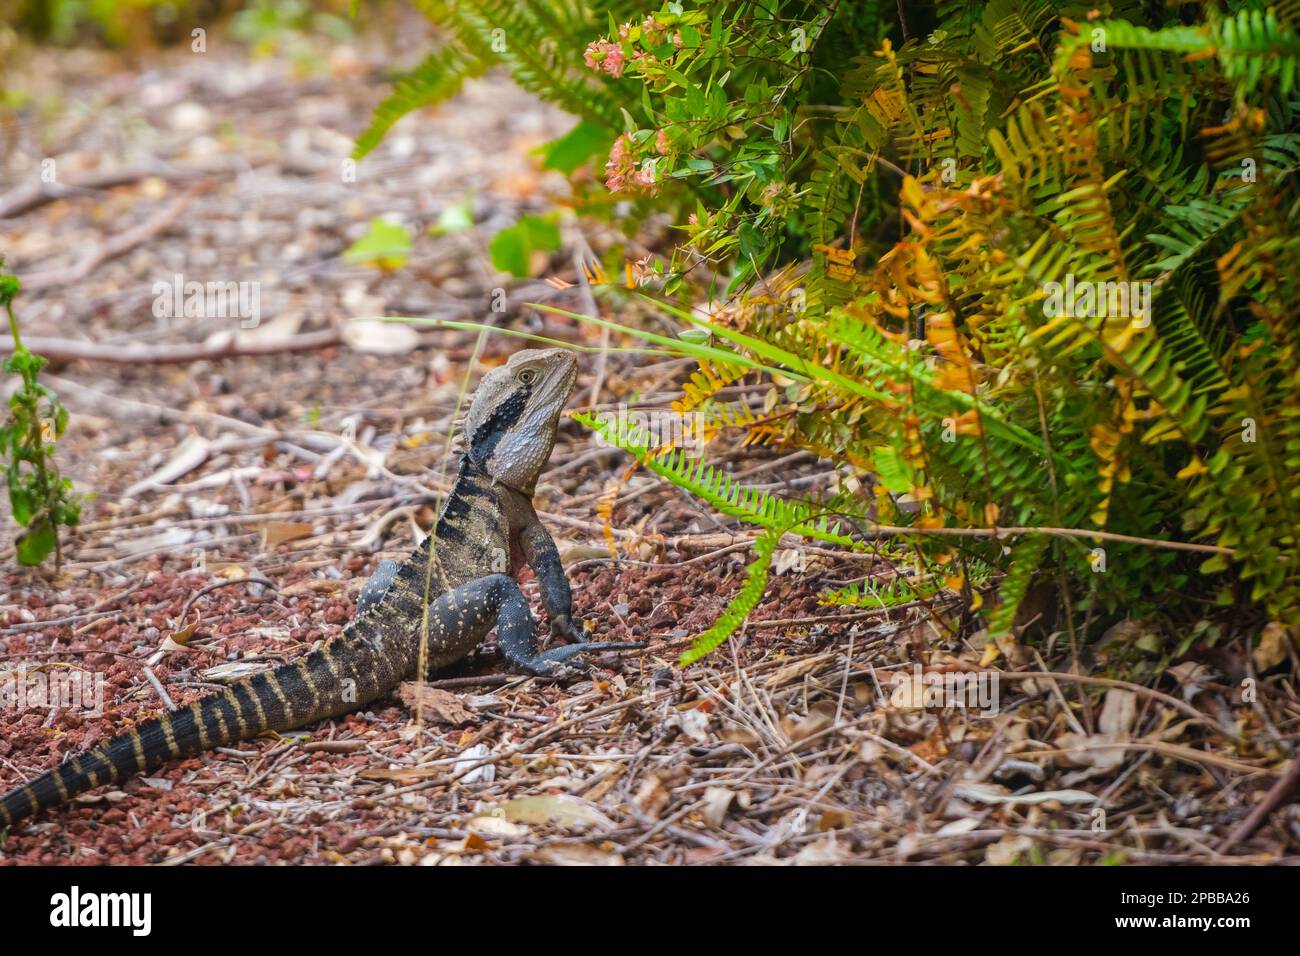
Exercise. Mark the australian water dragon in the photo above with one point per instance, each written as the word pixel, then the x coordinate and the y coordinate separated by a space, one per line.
pixel 486 531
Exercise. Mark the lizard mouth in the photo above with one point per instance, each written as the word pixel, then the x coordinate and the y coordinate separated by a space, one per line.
pixel 558 386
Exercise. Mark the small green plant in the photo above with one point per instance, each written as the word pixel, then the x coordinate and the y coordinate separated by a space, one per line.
pixel 40 499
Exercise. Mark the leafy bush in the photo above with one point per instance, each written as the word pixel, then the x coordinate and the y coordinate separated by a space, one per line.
pixel 1013 265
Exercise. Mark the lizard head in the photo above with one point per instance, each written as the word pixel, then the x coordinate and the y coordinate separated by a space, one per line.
pixel 512 420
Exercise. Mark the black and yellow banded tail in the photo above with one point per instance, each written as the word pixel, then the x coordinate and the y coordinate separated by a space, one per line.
pixel 337 678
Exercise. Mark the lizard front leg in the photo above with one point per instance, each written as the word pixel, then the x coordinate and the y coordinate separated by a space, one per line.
pixel 459 619
pixel 540 553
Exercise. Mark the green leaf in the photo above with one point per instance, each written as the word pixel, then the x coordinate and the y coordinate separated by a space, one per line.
pixel 9 288
pixel 512 248
pixel 509 251
pixel 386 246
pixel 21 502
pixel 36 545
pixel 893 470
pixel 454 218
pixel 575 147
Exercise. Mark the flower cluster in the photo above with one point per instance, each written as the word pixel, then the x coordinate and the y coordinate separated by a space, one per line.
pixel 605 55
pixel 632 47
pixel 625 168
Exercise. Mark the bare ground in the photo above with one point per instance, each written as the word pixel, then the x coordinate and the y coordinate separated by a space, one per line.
pixel 241 502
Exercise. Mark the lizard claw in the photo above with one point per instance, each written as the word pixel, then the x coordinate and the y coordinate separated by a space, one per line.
pixel 554 663
pixel 562 626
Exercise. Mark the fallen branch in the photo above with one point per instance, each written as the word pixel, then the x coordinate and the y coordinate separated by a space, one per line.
pixel 24 199
pixel 1279 792
pixel 138 353
pixel 1164 698
pixel 1176 751
pixel 117 246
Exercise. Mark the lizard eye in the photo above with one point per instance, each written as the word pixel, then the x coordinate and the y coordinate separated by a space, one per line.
pixel 528 376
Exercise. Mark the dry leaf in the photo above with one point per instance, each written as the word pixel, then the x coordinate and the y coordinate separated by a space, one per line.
pixel 1118 712
pixel 278 532
pixel 991 653
pixel 379 338
pixel 1190 676
pixel 401 773
pixel 1010 648
pixel 233 671
pixel 958 827
pixel 439 705
pixel 814 722
pixel 738 734
pixel 496 826
pixel 313 586
pixel 179 640
pixel 652 797
pixel 796 670
pixel 1081 755
pixel 560 809
pixel 579 854
pixel 834 820
pixel 824 852
pixel 468 758
pixel 785 560
pixel 694 723
pixel 717 801
pixel 1274 641
pixel 656 790
pixel 109 796
pixel 1008 851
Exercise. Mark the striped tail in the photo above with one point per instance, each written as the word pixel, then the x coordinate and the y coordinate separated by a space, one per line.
pixel 343 675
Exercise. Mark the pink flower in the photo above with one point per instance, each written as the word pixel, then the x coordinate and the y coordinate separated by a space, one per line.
pixel 653 32
pixel 623 169
pixel 662 146
pixel 620 165
pixel 645 177
pixel 605 55
pixel 614 62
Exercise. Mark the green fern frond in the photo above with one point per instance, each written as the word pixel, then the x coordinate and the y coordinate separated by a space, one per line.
pixel 875 594
pixel 726 495
pixel 1025 559
pixel 437 78
pixel 743 604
